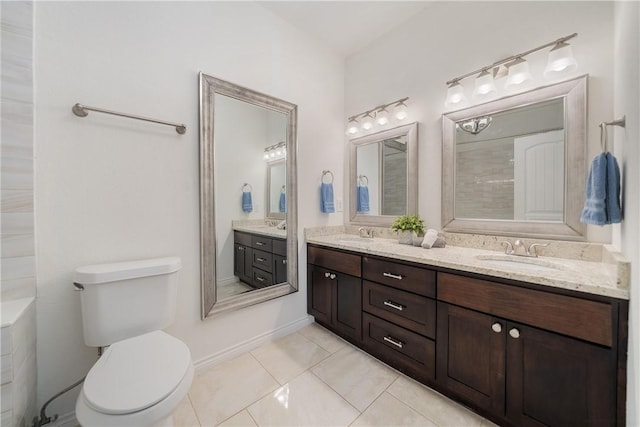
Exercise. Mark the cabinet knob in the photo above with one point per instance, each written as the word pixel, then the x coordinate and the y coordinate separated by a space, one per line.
pixel 332 276
pixel 241 248
pixel 514 333
pixel 497 327
pixel 284 261
pixel 327 274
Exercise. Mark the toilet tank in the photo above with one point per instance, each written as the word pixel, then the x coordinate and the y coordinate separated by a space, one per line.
pixel 125 299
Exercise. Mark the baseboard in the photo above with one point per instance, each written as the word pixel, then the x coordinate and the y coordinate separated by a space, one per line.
pixel 250 344
pixel 66 420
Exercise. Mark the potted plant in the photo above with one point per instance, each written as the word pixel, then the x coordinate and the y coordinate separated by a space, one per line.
pixel 408 228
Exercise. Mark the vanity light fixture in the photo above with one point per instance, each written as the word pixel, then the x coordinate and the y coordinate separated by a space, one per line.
pixel 560 61
pixel 379 116
pixel 275 152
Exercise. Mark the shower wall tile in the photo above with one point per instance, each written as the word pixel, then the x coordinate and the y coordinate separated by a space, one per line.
pixel 17 173
pixel 18 288
pixel 16 201
pixel 18 267
pixel 17 245
pixel 16 223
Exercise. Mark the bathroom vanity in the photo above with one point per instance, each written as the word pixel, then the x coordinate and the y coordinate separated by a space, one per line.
pixel 518 352
pixel 259 260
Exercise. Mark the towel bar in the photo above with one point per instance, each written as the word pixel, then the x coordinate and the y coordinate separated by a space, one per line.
pixel 81 111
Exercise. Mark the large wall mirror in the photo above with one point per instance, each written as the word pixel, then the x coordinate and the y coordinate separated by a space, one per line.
pixel 248 207
pixel 516 166
pixel 384 176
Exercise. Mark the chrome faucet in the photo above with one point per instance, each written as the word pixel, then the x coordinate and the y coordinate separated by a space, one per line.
pixel 520 248
pixel 365 232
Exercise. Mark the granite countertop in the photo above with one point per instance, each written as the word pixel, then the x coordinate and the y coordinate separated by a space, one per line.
pixel 261 229
pixel 594 277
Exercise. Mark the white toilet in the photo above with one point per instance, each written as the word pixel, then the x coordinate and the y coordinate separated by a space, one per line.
pixel 145 373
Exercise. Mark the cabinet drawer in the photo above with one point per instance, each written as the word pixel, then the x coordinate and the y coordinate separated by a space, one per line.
pixel 413 279
pixel 262 260
pixel 411 311
pixel 335 260
pixel 400 348
pixel 242 238
pixel 262 243
pixel 577 317
pixel 280 247
pixel 261 279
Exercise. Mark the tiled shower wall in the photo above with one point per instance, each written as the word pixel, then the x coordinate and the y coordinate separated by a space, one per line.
pixel 16 152
pixel 18 269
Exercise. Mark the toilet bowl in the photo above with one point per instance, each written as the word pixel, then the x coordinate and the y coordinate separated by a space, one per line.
pixel 138 381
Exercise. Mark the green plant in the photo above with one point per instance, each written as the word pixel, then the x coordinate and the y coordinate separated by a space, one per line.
pixel 408 223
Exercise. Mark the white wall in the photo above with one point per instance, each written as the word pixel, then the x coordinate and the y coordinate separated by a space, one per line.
pixel 627 150
pixel 109 188
pixel 448 39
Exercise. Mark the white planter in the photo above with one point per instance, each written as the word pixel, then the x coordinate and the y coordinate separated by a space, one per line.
pixel 405 237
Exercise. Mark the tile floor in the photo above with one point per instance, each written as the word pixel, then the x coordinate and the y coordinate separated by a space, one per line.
pixel 314 378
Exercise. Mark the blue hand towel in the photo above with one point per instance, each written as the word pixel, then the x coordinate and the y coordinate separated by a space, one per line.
pixel 247 206
pixel 282 203
pixel 362 200
pixel 326 198
pixel 602 204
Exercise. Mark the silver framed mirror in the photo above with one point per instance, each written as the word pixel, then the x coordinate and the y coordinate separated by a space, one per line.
pixel 237 125
pixel 276 192
pixel 383 176
pixel 516 166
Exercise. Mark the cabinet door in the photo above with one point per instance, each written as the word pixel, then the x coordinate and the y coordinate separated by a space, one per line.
pixel 279 269
pixel 470 355
pixel 553 380
pixel 242 263
pixel 347 311
pixel 319 291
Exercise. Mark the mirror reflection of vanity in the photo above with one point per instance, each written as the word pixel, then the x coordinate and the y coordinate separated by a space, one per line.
pixel 383 176
pixel 247 196
pixel 516 166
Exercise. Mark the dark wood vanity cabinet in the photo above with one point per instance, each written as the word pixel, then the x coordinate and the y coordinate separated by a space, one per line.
pixel 519 354
pixel 334 291
pixel 258 259
pixel 529 357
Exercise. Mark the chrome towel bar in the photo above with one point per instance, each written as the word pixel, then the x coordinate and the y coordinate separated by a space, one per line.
pixel 82 111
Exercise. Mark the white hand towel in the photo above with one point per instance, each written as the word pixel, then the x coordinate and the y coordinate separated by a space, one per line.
pixel 429 238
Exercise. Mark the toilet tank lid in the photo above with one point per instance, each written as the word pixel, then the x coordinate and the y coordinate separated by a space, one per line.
pixel 105 273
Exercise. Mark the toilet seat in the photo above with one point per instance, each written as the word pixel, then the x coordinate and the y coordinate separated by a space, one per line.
pixel 136 373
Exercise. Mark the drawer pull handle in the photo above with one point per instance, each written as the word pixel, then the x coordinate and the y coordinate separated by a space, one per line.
pixel 332 276
pixel 284 261
pixel 260 259
pixel 514 333
pixel 393 276
pixel 260 279
pixel 392 341
pixel 241 249
pixel 391 304
pixel 260 243
pixel 497 327
pixel 327 274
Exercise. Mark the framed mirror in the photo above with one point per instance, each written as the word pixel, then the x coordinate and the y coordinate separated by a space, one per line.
pixel 516 166
pixel 276 194
pixel 248 242
pixel 384 176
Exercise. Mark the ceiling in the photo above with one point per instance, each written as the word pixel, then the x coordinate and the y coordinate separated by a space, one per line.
pixel 345 26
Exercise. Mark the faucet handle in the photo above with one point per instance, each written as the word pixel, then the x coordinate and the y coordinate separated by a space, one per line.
pixel 532 248
pixel 509 247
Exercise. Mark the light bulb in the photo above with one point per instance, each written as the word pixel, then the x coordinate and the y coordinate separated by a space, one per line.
pixel 518 73
pixel 484 84
pixel 455 95
pixel 367 122
pixel 272 155
pixel 266 156
pixel 352 127
pixel 382 117
pixel 560 60
pixel 400 111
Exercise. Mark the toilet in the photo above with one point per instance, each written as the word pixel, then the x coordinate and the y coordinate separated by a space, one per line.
pixel 144 373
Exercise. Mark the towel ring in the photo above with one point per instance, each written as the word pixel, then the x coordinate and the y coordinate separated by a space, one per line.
pixel 245 185
pixel 363 178
pixel 604 140
pixel 283 189
pixel 327 172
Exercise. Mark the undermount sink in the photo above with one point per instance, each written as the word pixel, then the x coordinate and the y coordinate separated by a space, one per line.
pixel 519 263
pixel 355 239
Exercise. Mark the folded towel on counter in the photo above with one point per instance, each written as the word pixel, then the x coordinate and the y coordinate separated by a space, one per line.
pixel 439 243
pixel 602 204
pixel 430 238
pixel 362 199
pixel 326 198
pixel 247 206
pixel 282 203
